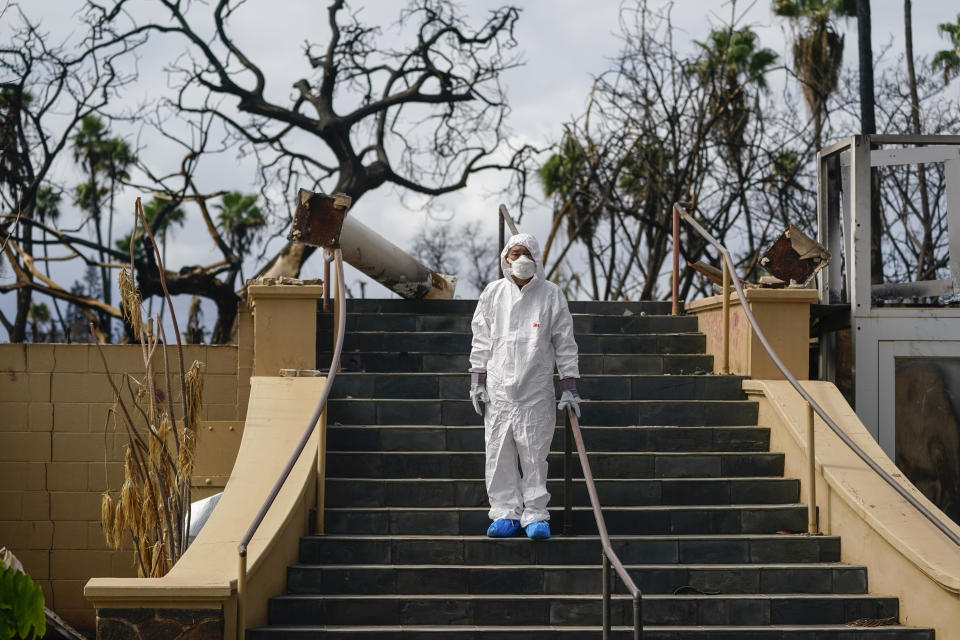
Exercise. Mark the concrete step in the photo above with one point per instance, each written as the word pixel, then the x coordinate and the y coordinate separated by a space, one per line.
pixel 449 342
pixel 438 579
pixel 386 438
pixel 578 632
pixel 605 465
pixel 456 386
pixel 458 361
pixel 532 609
pixel 443 492
pixel 610 413
pixel 332 549
pixel 582 323
pixel 467 307
pixel 656 520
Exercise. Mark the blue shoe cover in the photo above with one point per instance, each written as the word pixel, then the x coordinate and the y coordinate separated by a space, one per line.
pixel 538 530
pixel 503 528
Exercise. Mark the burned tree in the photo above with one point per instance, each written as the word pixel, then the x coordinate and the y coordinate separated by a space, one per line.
pixel 423 117
pixel 47 91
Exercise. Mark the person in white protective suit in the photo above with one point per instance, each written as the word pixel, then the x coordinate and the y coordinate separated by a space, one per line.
pixel 522 329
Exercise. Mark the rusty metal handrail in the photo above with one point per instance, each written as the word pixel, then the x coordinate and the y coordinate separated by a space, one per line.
pixel 812 405
pixel 609 556
pixel 321 405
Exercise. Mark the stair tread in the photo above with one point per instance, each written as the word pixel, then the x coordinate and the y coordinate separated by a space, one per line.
pixel 714 537
pixel 441 597
pixel 702 507
pixel 575 480
pixel 565 567
pixel 572 628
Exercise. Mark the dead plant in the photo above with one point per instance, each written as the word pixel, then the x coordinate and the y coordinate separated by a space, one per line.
pixel 153 503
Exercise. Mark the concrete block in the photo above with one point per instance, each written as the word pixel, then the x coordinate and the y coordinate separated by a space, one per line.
pixel 34 534
pixel 40 416
pixel 99 474
pixel 25 505
pixel 40 357
pixel 35 506
pixel 98 419
pixel 74 505
pixel 221 412
pixel 95 539
pixel 191 352
pixel 122 563
pixel 222 359
pixel 14 386
pixel 68 594
pixel 75 564
pixel 36 476
pixel 36 562
pixel 25 447
pixel 14 416
pixel 13 357
pixel 81 387
pixel 67 476
pixel 72 357
pixel 70 534
pixel 39 387
pixel 13 476
pixel 120 359
pixel 83 447
pixel 220 389
pixel 71 417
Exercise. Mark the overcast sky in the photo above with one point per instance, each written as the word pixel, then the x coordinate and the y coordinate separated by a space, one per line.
pixel 564 44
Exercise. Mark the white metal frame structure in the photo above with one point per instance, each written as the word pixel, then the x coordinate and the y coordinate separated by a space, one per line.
pixel 881 333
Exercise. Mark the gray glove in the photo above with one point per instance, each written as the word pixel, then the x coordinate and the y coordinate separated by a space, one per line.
pixel 478 391
pixel 569 399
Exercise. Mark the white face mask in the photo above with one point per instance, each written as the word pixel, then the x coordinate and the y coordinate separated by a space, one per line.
pixel 523 267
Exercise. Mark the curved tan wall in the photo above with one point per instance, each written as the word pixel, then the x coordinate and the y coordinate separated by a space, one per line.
pixel 206 576
pixel 906 556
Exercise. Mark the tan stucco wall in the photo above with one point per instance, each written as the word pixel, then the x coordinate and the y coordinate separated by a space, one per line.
pixel 906 556
pixel 53 441
pixel 784 317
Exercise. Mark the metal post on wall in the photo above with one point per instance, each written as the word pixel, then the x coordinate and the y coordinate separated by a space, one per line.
pixel 812 527
pixel 675 308
pixel 725 362
pixel 567 476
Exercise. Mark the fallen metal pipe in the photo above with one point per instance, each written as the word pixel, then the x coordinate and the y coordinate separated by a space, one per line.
pixel 322 221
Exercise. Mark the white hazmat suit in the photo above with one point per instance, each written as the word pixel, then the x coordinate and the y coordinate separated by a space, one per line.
pixel 519 335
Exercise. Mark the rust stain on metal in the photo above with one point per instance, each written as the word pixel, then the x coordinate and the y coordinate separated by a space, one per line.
pixel 794 257
pixel 318 220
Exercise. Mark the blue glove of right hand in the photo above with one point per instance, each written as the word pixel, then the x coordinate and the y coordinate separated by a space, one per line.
pixel 478 391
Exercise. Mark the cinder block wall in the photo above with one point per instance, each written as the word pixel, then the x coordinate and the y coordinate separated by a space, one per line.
pixel 54 438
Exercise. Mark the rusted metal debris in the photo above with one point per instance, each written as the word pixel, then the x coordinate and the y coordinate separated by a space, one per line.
pixel 318 220
pixel 322 221
pixel 794 257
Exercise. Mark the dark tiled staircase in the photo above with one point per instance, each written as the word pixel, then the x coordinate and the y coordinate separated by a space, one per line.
pixel 694 500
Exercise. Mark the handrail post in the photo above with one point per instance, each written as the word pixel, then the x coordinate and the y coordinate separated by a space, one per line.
pixel 241 596
pixel 567 475
pixel 637 617
pixel 725 362
pixel 605 576
pixel 675 308
pixel 812 527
